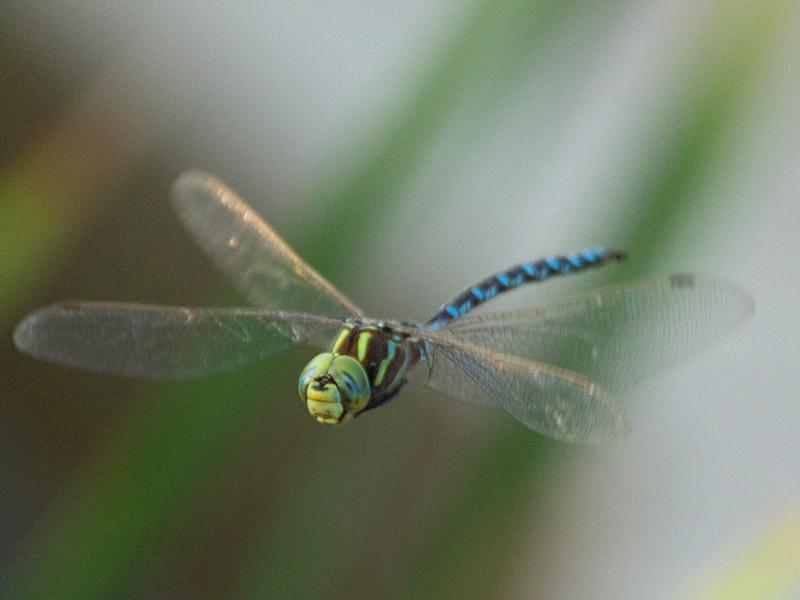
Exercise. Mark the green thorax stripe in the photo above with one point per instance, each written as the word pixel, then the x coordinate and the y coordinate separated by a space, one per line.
pixel 383 354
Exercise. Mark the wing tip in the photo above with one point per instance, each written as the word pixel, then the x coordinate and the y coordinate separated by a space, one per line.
pixel 190 181
pixel 26 334
pixel 192 175
pixel 614 428
pixel 722 285
pixel 614 435
pixel 22 334
pixel 31 333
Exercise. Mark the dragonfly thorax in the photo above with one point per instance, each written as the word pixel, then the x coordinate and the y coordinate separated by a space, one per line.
pixel 366 365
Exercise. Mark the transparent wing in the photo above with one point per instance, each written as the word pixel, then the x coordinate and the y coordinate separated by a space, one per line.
pixel 261 264
pixel 619 335
pixel 555 402
pixel 164 342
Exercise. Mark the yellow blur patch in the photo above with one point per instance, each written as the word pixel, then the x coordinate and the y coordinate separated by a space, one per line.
pixel 768 568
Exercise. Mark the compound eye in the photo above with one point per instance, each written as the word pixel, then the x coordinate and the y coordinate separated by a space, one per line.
pixel 351 379
pixel 316 368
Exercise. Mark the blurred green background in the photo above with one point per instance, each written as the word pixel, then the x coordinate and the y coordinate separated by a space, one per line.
pixel 405 150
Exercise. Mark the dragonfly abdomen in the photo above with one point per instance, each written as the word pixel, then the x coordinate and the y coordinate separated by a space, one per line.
pixel 529 272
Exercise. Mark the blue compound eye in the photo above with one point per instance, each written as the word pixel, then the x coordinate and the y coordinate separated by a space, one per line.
pixel 351 379
pixel 316 368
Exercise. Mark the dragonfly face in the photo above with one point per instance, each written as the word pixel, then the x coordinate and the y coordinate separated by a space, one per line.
pixel 334 387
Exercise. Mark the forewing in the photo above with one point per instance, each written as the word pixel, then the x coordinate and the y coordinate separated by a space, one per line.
pixel 262 265
pixel 619 335
pixel 549 400
pixel 163 342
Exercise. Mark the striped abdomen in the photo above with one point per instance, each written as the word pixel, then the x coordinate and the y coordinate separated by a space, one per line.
pixel 384 354
pixel 518 275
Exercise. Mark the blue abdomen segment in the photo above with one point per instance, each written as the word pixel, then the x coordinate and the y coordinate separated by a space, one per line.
pixel 529 272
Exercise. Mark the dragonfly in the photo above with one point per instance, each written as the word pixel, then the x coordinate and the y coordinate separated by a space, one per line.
pixel 559 369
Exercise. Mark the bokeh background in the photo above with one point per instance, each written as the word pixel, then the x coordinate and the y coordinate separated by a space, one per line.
pixel 405 149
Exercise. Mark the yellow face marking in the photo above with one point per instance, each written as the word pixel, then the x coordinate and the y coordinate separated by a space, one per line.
pixel 326 395
pixel 363 339
pixel 325 404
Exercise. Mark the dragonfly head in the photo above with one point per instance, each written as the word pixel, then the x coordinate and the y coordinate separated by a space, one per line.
pixel 334 387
